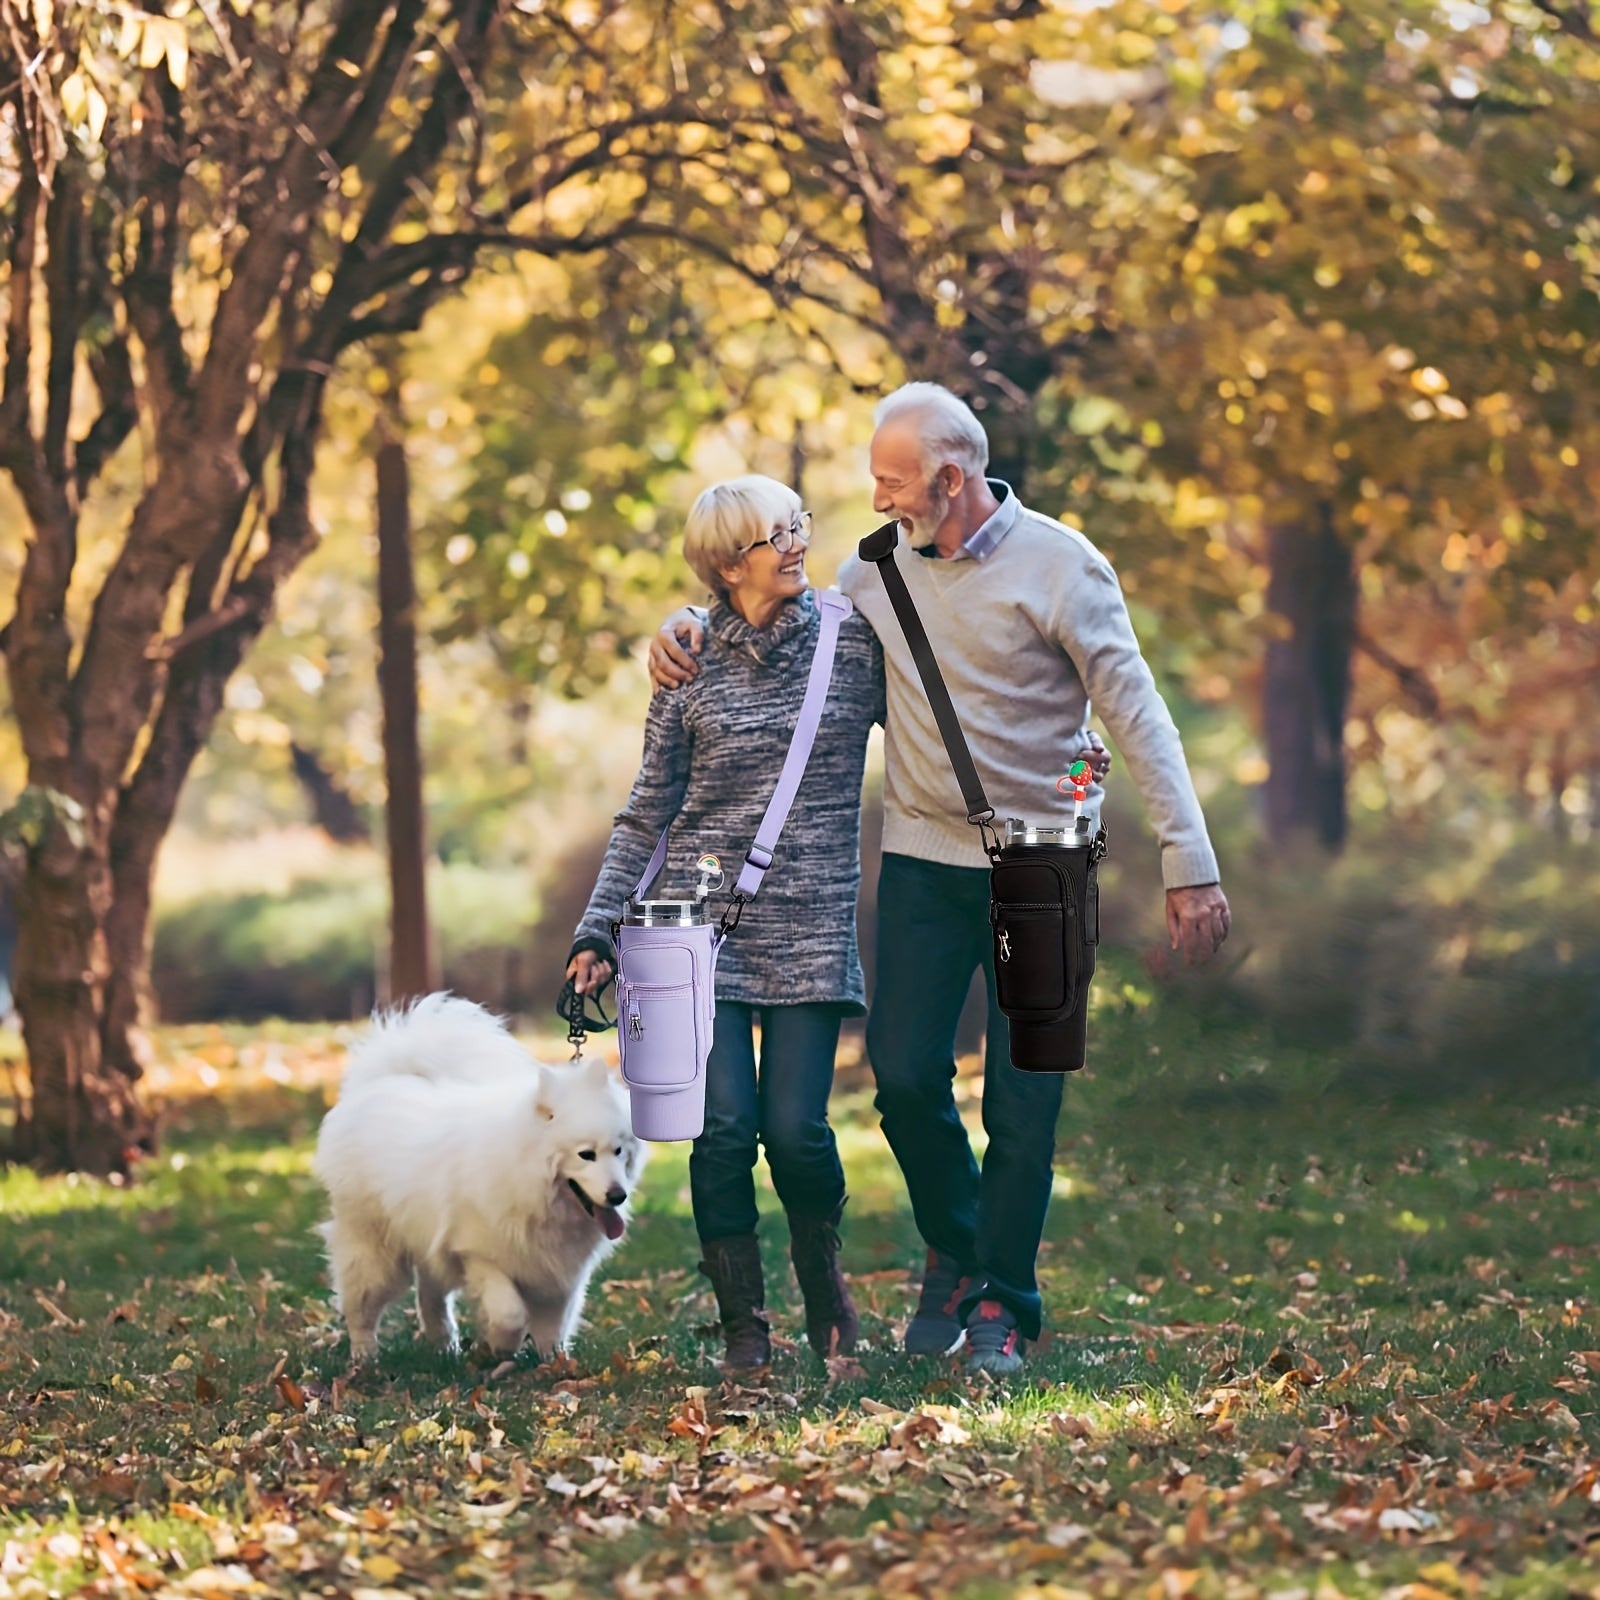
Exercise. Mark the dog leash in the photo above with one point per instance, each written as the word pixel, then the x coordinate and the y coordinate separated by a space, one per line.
pixel 572 1006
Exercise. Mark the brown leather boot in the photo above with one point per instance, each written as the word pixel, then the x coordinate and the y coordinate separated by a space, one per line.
pixel 734 1267
pixel 831 1322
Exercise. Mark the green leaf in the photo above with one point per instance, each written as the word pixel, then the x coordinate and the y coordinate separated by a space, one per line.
pixel 1094 413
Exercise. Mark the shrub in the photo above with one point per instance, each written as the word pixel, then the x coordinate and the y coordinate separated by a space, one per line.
pixel 318 951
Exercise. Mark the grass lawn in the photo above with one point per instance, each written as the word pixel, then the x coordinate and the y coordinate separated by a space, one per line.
pixel 1301 1344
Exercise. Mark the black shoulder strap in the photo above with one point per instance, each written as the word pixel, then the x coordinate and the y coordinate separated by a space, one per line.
pixel 879 549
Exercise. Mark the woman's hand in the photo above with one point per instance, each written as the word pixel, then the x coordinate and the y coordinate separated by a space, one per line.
pixel 589 973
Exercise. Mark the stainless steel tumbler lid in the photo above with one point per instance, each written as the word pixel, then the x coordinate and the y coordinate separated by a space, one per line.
pixel 1064 838
pixel 664 914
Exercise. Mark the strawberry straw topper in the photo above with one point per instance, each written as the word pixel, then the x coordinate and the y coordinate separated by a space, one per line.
pixel 1079 776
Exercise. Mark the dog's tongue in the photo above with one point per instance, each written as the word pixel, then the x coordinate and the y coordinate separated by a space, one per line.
pixel 610 1219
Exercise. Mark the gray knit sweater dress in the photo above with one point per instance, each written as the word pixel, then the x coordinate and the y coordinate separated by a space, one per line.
pixel 713 750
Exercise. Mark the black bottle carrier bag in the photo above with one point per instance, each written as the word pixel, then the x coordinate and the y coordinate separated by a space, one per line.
pixel 1044 895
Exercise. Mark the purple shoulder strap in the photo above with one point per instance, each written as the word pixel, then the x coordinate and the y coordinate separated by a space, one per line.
pixel 658 859
pixel 834 607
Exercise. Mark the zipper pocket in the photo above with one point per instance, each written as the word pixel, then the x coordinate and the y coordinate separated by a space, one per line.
pixel 658 1033
pixel 1035 961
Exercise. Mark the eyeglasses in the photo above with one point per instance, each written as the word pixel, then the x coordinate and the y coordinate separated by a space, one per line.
pixel 797 534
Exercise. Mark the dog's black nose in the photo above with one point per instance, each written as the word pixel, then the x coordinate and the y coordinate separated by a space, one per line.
pixel 615 1195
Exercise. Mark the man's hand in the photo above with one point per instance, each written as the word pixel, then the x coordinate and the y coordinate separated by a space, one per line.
pixel 590 973
pixel 673 650
pixel 1096 754
pixel 1198 920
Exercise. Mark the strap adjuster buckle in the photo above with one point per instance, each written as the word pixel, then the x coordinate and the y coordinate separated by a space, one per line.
pixel 759 857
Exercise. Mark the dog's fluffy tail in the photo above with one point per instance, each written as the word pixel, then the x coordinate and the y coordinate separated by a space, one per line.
pixel 439 1038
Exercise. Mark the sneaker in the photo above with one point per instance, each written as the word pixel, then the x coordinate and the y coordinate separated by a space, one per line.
pixel 936 1328
pixel 994 1342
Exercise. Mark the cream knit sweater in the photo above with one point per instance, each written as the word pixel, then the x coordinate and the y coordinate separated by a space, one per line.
pixel 1026 638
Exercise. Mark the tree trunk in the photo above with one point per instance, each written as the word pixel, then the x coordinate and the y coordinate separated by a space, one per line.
pixel 128 1009
pixel 84 1115
pixel 8 934
pixel 1312 594
pixel 332 809
pixel 196 682
pixel 146 807
pixel 409 965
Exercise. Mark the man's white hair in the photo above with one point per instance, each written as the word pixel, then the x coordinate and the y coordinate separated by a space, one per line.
pixel 946 429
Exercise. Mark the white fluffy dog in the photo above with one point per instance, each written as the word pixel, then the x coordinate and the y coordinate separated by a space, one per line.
pixel 455 1157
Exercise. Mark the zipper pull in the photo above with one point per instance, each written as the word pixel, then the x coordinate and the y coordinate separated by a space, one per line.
pixel 635 1026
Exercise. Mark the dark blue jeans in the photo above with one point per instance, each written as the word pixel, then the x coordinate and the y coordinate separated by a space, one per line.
pixel 784 1106
pixel 933 931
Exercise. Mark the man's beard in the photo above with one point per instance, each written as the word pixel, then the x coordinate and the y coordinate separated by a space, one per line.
pixel 926 521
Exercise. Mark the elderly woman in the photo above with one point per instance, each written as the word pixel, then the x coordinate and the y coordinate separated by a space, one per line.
pixel 712 753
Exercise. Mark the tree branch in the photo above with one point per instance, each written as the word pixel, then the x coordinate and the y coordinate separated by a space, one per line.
pixel 16 396
pixel 357 278
pixel 227 615
pixel 1412 680
pixel 399 45
pixel 894 273
pixel 119 411
pixel 1573 20
pixel 38 116
pixel 65 306
pixel 454 252
pixel 445 258
pixel 291 531
pixel 279 224
pixel 674 114
pixel 785 290
pixel 1488 105
pixel 37 642
pixel 157 170
pixel 210 577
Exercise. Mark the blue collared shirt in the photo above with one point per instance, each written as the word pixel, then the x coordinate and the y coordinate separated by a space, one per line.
pixel 983 541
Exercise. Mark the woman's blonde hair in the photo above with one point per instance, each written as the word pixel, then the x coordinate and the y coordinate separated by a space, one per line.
pixel 728 517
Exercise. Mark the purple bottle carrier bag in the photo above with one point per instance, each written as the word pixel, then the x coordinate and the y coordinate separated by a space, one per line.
pixel 666 973
pixel 666 1004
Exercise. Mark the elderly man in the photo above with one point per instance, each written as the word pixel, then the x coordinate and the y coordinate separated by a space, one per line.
pixel 1029 625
